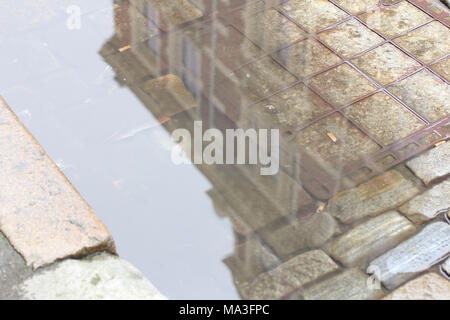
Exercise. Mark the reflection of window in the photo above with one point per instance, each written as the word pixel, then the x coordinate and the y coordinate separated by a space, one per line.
pixel 151 17
pixel 191 63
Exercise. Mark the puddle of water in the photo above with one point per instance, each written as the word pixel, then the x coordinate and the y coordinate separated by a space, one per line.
pixel 103 85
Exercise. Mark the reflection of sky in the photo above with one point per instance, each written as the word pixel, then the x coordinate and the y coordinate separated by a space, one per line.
pixel 159 214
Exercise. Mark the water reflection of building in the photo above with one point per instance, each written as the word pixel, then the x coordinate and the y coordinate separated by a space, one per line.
pixel 220 61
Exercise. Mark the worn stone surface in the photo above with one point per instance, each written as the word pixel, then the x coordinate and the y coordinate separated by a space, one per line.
pixel 342 85
pixel 101 277
pixel 415 255
pixel 425 93
pixel 291 108
pixel 430 286
pixel 443 68
pixel 351 144
pixel 394 20
pixel 375 196
pixel 426 42
pixel 313 15
pixel 289 276
pixel 306 232
pixel 306 58
pixel 13 270
pixel 271 30
pixel 370 239
pixel 386 64
pixel 433 164
pixel 384 118
pixel 41 213
pixel 357 6
pixel 348 285
pixel 427 205
pixel 350 38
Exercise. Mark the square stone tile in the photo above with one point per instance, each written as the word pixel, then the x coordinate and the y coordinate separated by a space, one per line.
pixel 384 118
pixel 342 85
pixel 386 64
pixel 254 81
pixel 313 15
pixel 270 30
pixel 394 20
pixel 357 6
pixel 427 43
pixel 350 38
pixel 306 58
pixel 443 68
pixel 232 49
pixel 425 93
pixel 350 143
pixel 291 108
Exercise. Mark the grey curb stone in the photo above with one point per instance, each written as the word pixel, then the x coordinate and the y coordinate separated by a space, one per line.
pixel 101 277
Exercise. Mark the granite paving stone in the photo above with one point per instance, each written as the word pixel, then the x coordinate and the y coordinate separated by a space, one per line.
pixel 271 30
pixel 342 85
pixel 356 7
pixel 289 276
pixel 430 286
pixel 384 118
pixel 425 93
pixel 313 15
pixel 394 20
pixel 427 205
pixel 413 256
pixel 350 38
pixel 311 232
pixel 426 42
pixel 386 64
pixel 443 68
pixel 384 192
pixel 293 107
pixel 348 285
pixel 433 164
pixel 350 143
pixel 370 239
pixel 41 214
pixel 306 58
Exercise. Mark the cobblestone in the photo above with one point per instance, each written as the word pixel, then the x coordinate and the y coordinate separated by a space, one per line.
pixel 415 255
pixel 370 239
pixel 427 205
pixel 348 285
pixel 289 276
pixel 379 194
pixel 433 164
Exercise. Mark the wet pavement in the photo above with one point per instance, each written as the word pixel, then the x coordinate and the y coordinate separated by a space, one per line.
pixel 356 89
